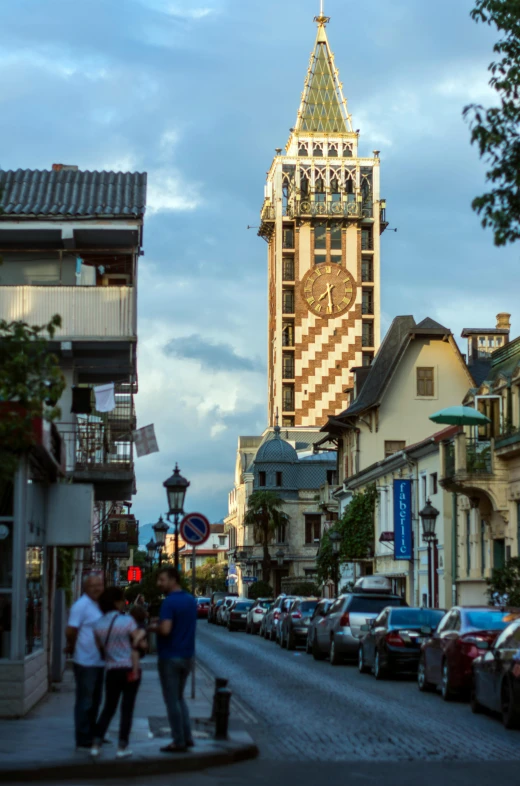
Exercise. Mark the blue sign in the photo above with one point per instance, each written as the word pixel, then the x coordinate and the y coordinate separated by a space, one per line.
pixel 403 520
pixel 249 579
pixel 195 529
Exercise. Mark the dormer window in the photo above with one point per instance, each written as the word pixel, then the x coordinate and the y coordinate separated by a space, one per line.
pixel 262 479
pixel 317 150
pixel 303 149
pixel 347 151
pixel 333 150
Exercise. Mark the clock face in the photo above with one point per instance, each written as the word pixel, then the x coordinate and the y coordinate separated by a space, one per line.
pixel 328 290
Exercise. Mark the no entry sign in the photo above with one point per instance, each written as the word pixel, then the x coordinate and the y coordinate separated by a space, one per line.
pixel 195 529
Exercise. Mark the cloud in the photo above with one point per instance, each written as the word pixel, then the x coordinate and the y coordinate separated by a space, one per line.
pixel 179 10
pixel 211 355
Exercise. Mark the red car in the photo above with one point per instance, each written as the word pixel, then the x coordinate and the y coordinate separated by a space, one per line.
pixel 203 607
pixel 446 658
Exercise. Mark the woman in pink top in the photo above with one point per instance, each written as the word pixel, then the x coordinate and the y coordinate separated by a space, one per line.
pixel 117 637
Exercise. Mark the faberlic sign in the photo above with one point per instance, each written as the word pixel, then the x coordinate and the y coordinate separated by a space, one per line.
pixel 402 519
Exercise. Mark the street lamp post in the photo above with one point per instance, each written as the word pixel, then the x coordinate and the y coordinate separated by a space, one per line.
pixel 176 487
pixel 160 530
pixel 151 547
pixel 335 539
pixel 428 517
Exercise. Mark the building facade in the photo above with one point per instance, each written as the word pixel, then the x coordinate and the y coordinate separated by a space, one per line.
pixel 322 218
pixel 70 243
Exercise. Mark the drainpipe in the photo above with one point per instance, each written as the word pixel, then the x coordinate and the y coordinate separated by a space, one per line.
pixel 454 541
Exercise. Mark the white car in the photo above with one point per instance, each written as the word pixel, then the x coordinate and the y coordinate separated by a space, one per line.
pixel 257 613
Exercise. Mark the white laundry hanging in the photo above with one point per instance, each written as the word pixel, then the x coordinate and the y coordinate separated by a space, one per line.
pixel 105 397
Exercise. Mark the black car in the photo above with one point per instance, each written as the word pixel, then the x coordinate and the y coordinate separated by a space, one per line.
pixel 295 624
pixel 496 678
pixel 238 614
pixel 392 642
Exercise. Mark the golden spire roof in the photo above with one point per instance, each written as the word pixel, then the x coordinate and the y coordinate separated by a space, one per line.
pixel 323 108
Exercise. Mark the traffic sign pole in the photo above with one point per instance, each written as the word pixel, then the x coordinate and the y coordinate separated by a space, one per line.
pixel 193 569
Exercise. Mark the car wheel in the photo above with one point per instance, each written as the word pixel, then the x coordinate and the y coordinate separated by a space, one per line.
pixel 317 654
pixel 308 647
pixel 253 630
pixel 422 682
pixel 362 667
pixel 379 672
pixel 283 640
pixel 335 658
pixel 510 713
pixel 474 703
pixel 290 642
pixel 272 635
pixel 248 629
pixel 446 686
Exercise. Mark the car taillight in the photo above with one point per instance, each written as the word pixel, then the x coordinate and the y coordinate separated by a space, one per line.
pixel 258 611
pixel 345 620
pixel 470 644
pixel 394 640
pixel 276 615
pixel 296 615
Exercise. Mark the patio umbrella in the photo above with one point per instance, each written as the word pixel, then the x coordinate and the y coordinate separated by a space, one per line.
pixel 460 416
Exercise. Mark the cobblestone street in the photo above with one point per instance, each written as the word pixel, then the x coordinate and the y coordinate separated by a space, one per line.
pixel 297 708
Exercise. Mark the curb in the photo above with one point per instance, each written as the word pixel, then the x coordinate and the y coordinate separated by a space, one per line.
pixel 86 769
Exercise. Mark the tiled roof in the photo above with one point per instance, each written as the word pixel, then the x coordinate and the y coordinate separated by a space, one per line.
pixel 69 192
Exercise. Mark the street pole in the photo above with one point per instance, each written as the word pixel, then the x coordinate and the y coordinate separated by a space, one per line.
pixel 176 520
pixel 435 575
pixel 193 579
pixel 430 594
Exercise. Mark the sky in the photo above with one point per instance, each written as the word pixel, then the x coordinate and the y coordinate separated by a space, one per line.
pixel 199 95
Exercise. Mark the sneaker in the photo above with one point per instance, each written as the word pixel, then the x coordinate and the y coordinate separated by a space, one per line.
pixel 123 753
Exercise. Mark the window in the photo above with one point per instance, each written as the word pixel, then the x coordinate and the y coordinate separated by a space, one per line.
pixel 288 268
pixel 288 334
pixel 288 398
pixel 425 383
pixel 312 529
pixel 333 150
pixel 347 151
pixel 509 639
pixel 318 150
pixel 34 599
pixel 499 552
pixel 262 479
pixel 304 187
pixel 320 259
pixel 434 483
pixel 367 269
pixel 288 365
pixel 287 421
pixel 394 446
pixel 367 358
pixel 288 237
pixel 280 533
pixel 288 301
pixel 320 235
pixel 332 477
pixel 222 540
pixel 468 542
pixel 367 301
pixel 279 479
pixel 302 150
pixel 335 236
pixel 424 492
pixel 367 239
pixel 367 336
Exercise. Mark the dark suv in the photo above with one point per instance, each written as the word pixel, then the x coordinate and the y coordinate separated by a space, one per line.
pixel 340 632
pixel 295 624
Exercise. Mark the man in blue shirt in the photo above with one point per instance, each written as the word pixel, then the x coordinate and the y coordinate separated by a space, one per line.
pixel 176 650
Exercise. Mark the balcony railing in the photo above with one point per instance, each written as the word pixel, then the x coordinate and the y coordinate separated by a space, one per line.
pixel 92 445
pixel 478 457
pixel 86 312
pixel 348 208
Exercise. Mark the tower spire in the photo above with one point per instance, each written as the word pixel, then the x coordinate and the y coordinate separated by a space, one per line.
pixel 323 108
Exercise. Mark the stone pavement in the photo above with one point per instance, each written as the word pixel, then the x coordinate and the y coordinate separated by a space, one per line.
pixel 41 745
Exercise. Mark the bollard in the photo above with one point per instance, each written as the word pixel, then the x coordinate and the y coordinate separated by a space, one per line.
pixel 222 702
pixel 220 682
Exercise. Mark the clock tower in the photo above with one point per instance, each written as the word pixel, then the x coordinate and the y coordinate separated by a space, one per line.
pixel 322 218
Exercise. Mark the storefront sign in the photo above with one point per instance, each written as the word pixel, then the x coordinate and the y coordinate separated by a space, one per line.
pixel 402 519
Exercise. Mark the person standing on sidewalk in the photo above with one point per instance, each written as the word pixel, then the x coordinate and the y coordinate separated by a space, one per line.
pixel 88 663
pixel 117 636
pixel 176 650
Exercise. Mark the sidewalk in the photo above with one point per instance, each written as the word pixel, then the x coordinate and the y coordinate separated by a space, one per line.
pixel 41 745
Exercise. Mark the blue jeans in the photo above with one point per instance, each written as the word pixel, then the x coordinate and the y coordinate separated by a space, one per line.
pixel 89 688
pixel 173 673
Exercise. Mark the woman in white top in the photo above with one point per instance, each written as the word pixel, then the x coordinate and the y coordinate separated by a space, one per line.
pixel 117 637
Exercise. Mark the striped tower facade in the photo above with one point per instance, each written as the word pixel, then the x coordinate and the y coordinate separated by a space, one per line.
pixel 322 218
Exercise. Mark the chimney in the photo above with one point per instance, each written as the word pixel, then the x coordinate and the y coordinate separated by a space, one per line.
pixel 504 323
pixel 64 167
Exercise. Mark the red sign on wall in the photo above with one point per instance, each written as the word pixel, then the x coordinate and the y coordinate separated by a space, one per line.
pixel 134 573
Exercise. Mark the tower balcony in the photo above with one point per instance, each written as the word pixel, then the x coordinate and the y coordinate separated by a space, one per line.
pixel 349 207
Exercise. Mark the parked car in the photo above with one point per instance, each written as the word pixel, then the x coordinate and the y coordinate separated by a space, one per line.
pixel 272 618
pixel 446 659
pixel 222 613
pixel 317 619
pixel 215 597
pixel 496 677
pixel 213 611
pixel 256 614
pixel 285 608
pixel 339 636
pixel 294 625
pixel 392 642
pixel 237 615
pixel 203 607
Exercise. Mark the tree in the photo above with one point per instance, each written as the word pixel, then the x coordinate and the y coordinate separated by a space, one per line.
pixel 259 589
pixel 31 384
pixel 356 528
pixel 209 577
pixel 264 513
pixel 496 130
pixel 506 580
